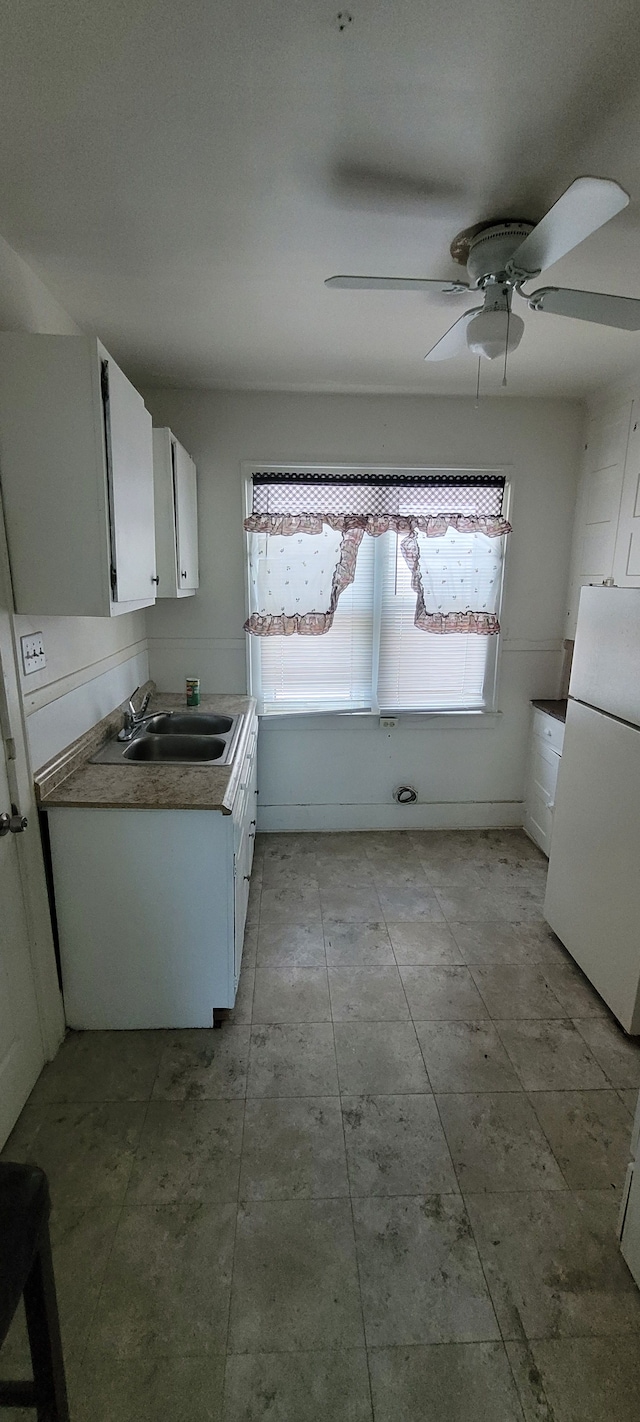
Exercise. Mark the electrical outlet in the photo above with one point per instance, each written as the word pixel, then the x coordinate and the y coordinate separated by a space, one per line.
pixel 387 723
pixel 33 657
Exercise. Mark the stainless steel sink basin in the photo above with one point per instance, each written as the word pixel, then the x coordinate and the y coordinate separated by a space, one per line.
pixel 190 723
pixel 176 738
pixel 169 750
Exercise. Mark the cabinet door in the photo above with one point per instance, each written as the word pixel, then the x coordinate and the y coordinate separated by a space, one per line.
pixel 598 506
pixel 626 569
pixel 241 900
pixel 130 483
pixel 541 790
pixel 186 504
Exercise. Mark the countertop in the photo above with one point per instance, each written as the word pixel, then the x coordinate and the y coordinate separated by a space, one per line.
pixel 557 709
pixel 71 780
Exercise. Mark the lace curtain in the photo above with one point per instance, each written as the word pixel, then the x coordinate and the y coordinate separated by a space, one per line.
pixel 304 538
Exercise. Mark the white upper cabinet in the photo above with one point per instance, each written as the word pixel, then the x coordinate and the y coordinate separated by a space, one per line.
pixel 606 544
pixel 76 464
pixel 626 563
pixel 176 503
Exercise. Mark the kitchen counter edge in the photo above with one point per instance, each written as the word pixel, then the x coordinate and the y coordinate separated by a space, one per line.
pixel 70 781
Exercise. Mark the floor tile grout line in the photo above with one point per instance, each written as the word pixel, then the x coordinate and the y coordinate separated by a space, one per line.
pixel 123 1203
pixel 350 1196
pixel 233 1250
pixel 480 966
pixel 550 1021
pixel 240 1161
pixel 528 1095
pixel 520 1093
pixel 575 1021
pixel 526 1344
pixel 470 1222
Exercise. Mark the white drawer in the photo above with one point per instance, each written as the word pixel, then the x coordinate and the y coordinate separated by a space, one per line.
pixel 549 729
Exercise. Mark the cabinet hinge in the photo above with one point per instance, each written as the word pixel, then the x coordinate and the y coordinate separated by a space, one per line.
pixel 113 578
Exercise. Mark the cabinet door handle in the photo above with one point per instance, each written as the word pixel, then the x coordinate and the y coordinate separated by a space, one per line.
pixel 247 876
pixel 155 580
pixel 183 575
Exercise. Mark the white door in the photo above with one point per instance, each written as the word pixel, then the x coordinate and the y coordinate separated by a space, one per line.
pixel 186 519
pixel 21 1048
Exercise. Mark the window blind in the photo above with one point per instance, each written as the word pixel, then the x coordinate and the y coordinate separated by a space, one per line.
pixel 420 671
pixel 328 673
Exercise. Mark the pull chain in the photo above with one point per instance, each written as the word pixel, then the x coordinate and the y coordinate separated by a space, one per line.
pixel 477 387
pixel 506 347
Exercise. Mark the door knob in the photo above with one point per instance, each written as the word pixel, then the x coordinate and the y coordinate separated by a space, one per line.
pixel 13 823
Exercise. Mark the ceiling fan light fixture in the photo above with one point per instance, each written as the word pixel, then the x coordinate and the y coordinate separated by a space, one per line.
pixel 487 333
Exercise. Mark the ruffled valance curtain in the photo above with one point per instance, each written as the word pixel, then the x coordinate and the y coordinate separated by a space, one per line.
pixel 305 531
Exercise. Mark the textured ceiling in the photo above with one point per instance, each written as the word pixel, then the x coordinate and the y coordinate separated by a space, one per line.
pixel 182 176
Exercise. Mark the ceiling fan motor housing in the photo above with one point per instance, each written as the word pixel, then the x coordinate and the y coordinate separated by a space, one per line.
pixel 491 249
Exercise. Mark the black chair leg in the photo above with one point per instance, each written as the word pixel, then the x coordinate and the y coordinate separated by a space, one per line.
pixel 41 1308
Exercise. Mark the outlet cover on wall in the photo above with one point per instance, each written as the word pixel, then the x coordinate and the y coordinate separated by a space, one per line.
pixel 33 657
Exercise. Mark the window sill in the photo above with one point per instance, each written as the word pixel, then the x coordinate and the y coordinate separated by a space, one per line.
pixel 355 720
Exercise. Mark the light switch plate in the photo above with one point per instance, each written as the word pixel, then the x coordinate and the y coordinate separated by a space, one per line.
pixel 33 657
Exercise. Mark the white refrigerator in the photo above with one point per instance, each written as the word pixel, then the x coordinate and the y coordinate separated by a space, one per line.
pixel 593 887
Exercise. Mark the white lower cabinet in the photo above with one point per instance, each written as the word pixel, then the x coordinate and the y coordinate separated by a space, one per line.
pixel 151 908
pixel 545 750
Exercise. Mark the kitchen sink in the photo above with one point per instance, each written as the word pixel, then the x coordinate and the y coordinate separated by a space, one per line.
pixel 190 723
pixel 176 738
pixel 168 749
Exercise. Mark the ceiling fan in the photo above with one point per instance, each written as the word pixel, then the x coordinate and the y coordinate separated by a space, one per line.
pixel 501 255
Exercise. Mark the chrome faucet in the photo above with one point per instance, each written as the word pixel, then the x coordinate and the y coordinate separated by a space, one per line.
pixel 134 719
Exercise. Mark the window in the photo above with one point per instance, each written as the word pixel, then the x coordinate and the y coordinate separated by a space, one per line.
pixel 367 653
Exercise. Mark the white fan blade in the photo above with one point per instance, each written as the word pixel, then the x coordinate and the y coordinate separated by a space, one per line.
pixel 368 283
pixel 586 206
pixel 454 341
pixel 620 311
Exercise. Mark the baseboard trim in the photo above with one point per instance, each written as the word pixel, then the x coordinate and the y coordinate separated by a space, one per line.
pixel 489 814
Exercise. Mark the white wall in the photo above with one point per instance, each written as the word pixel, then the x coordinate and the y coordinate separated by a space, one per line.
pixel 89 659
pixel 340 772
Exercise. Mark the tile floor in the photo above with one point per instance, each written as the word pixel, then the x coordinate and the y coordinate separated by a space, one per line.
pixel 387 1189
